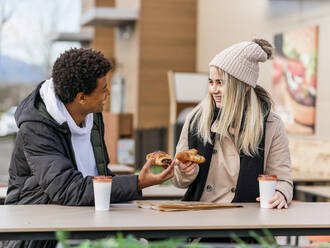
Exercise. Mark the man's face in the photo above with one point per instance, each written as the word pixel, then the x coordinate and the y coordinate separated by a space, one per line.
pixel 96 100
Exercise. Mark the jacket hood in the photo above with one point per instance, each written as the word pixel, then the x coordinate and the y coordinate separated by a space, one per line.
pixel 32 109
pixel 57 110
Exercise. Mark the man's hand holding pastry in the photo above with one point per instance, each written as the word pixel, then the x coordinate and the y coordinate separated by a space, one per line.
pixel 147 178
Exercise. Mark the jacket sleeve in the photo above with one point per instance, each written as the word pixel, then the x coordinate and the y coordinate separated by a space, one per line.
pixel 55 173
pixel 180 179
pixel 125 188
pixel 278 162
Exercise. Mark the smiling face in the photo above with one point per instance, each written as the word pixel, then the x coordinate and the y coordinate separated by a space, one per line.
pixel 95 101
pixel 216 85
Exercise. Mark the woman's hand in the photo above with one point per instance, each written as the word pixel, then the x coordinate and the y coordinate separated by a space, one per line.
pixel 278 201
pixel 187 168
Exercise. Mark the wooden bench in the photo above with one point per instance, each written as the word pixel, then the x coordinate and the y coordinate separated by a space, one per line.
pixel 121 169
pixel 320 191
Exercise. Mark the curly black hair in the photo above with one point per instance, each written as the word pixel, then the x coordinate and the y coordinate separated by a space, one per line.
pixel 76 70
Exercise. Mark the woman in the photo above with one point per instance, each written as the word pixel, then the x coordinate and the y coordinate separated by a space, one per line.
pixel 235 130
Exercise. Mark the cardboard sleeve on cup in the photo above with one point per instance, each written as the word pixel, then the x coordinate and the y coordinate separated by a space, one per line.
pixel 102 179
pixel 267 178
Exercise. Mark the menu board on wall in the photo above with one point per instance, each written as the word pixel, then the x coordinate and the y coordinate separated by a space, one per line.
pixel 294 78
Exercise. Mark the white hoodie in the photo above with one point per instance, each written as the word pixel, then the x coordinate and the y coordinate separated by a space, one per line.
pixel 80 136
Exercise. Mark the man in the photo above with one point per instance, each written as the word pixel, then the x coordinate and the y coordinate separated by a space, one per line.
pixel 60 144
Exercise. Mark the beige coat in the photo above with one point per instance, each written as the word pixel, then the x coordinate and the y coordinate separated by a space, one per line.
pixel 221 182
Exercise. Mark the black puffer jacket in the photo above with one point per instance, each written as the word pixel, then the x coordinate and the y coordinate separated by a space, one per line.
pixel 43 168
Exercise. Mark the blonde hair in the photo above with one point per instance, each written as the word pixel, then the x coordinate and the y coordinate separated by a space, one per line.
pixel 242 115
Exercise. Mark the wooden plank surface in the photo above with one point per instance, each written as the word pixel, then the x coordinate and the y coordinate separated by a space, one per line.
pixel 167 42
pixel 31 218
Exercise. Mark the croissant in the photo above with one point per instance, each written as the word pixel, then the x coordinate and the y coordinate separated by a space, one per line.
pixel 161 158
pixel 190 155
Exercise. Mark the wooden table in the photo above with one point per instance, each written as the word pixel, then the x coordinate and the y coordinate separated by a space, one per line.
pixel 163 192
pixel 41 221
pixel 321 191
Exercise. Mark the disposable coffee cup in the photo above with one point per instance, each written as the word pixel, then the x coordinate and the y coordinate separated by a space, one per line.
pixel 102 192
pixel 267 185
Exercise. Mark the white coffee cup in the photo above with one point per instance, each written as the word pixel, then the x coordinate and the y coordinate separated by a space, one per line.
pixel 267 186
pixel 102 192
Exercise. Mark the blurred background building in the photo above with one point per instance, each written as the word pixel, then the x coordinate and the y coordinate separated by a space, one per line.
pixel 147 38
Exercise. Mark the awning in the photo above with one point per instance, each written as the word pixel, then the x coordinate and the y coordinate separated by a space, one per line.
pixel 107 16
pixel 82 37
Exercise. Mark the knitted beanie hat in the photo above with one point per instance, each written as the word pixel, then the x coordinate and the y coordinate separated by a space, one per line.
pixel 241 60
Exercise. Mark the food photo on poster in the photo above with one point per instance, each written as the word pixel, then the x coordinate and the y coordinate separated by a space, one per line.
pixel 294 78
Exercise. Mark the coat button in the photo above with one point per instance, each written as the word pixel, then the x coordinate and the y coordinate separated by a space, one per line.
pixel 214 151
pixel 209 188
pixel 233 189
